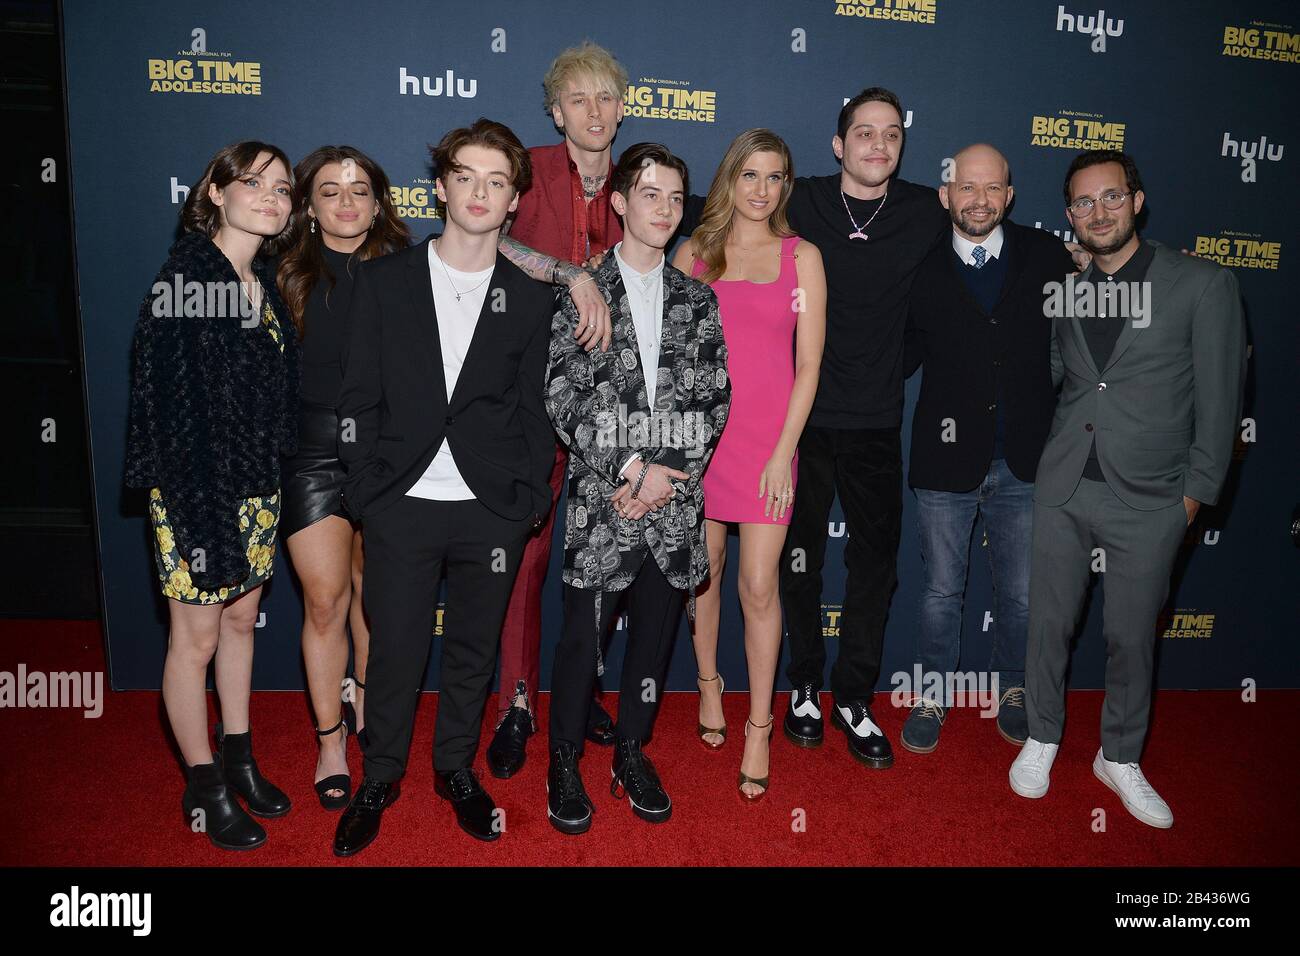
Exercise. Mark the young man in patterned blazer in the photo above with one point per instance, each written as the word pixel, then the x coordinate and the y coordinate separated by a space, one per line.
pixel 638 446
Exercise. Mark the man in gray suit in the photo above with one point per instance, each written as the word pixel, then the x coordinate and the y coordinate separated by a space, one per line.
pixel 1149 348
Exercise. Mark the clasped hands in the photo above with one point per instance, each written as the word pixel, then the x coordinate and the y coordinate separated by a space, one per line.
pixel 656 490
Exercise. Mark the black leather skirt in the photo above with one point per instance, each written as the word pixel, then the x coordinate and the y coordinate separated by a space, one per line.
pixel 311 482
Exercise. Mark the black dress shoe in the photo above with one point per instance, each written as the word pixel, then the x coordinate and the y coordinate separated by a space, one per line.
pixel 506 753
pixel 210 807
pixel 359 824
pixel 803 718
pixel 867 742
pixel 635 775
pixel 475 811
pixel 600 725
pixel 567 805
pixel 264 798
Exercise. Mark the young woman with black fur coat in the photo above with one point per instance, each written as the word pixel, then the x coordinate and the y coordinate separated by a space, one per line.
pixel 214 396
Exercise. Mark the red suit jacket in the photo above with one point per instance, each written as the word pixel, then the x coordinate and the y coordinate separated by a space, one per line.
pixel 544 219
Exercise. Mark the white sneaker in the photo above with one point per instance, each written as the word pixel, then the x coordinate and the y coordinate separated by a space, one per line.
pixel 1131 787
pixel 1031 771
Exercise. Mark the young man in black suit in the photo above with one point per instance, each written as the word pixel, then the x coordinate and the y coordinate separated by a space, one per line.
pixel 975 321
pixel 448 448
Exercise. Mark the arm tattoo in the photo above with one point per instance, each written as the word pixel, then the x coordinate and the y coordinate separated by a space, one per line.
pixel 537 265
pixel 566 273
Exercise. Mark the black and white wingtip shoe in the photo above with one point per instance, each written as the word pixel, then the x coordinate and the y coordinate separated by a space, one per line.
pixel 867 742
pixel 803 719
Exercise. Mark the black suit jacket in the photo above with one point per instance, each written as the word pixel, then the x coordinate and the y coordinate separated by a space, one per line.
pixel 971 357
pixel 394 394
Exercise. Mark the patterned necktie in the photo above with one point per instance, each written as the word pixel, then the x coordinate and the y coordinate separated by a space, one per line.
pixel 979 254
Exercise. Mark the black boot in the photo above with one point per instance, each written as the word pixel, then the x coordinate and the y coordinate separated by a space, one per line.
pixel 508 750
pixel 210 807
pixel 264 798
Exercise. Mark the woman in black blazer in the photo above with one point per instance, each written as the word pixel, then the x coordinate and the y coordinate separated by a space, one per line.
pixel 213 403
pixel 343 216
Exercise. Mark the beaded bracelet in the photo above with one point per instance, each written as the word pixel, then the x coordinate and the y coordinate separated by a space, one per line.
pixel 636 488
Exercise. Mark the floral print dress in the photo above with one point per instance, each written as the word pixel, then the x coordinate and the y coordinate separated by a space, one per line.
pixel 257 517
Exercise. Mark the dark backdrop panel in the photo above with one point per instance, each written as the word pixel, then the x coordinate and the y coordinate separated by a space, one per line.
pixel 331 72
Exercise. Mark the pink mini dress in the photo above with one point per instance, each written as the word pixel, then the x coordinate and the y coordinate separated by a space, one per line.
pixel 758 324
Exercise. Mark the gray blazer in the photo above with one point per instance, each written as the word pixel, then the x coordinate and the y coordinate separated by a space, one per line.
pixel 1165 409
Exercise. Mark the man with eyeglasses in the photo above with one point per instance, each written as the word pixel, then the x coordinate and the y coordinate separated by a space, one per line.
pixel 1150 353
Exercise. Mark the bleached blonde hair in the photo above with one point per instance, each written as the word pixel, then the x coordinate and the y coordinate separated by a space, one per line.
pixel 585 60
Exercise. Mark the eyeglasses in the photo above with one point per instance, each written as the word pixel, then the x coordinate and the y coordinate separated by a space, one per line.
pixel 1082 207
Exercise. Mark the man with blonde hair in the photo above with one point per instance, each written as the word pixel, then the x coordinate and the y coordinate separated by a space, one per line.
pixel 566 215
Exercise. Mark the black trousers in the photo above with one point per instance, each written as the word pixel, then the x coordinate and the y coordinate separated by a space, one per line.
pixel 409 546
pixel 654 608
pixel 865 466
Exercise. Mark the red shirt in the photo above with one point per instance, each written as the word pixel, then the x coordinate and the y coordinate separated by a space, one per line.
pixel 554 217
pixel 588 217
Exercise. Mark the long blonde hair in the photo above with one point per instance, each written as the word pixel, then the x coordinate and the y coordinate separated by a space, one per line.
pixel 710 237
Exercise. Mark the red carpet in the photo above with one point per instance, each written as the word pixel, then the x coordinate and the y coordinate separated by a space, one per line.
pixel 106 791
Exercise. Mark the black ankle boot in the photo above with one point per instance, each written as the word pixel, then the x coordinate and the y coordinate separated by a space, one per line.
pixel 210 807
pixel 264 798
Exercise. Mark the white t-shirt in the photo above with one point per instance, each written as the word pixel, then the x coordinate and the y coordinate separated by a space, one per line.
pixel 457 320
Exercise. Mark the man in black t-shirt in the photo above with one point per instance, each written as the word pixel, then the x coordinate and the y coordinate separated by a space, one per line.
pixel 873 230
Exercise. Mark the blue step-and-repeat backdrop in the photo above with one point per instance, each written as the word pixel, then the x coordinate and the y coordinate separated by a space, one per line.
pixel 1201 93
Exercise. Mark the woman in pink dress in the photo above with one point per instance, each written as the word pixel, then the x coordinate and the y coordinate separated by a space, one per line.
pixel 772 295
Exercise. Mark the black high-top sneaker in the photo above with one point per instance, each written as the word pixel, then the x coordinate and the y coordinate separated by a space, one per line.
pixel 635 776
pixel 567 805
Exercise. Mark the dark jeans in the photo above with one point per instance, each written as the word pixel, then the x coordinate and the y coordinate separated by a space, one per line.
pixel 409 545
pixel 654 610
pixel 865 467
pixel 945 519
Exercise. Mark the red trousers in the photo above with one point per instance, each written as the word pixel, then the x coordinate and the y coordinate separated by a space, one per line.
pixel 521 636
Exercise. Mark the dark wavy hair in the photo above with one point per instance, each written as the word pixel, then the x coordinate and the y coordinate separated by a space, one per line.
pixel 636 158
pixel 490 135
pixel 303 263
pixel 1095 157
pixel 872 94
pixel 201 214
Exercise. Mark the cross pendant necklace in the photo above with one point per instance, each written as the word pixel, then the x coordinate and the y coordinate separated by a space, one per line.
pixel 456 292
pixel 857 232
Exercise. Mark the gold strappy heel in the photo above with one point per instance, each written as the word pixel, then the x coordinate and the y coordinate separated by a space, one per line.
pixel 715 731
pixel 744 778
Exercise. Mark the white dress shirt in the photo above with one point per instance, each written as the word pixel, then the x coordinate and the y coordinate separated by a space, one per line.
pixel 457 320
pixel 645 296
pixel 964 248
